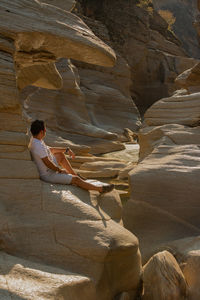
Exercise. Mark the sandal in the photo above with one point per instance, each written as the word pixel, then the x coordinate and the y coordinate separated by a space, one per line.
pixel 107 188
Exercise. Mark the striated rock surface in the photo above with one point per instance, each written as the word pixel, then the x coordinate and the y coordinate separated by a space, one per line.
pixel 78 113
pixel 185 13
pixel 142 38
pixel 22 279
pixel 165 184
pixel 189 79
pixel 187 253
pixel 163 278
pixel 62 226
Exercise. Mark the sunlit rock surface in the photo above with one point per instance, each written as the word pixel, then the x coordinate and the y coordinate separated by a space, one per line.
pixel 137 32
pixel 62 226
pixel 165 185
pixel 163 278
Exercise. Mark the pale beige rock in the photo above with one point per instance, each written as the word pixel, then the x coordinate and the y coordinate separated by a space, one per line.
pixel 69 233
pixel 164 196
pixel 157 52
pixel 100 165
pixel 51 36
pixel 66 5
pixel 16 123
pixel 34 220
pixel 176 109
pixel 105 173
pixel 123 173
pixel 191 273
pixel 170 134
pixel 45 75
pixel 12 168
pixel 23 279
pixel 67 110
pixel 189 78
pixel 13 138
pixel 163 278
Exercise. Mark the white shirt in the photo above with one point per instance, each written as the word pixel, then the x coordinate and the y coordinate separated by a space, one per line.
pixel 40 150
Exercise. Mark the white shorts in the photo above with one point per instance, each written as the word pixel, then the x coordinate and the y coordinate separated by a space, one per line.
pixel 54 177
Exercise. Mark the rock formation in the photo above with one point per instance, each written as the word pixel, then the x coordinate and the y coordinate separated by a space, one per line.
pixel 163 278
pixel 185 13
pixel 165 184
pixel 141 37
pixel 68 228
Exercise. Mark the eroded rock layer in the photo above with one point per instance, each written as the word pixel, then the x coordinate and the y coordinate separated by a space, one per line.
pixel 66 227
pixel 139 34
pixel 165 185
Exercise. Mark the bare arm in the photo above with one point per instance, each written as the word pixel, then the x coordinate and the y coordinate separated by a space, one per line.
pixel 51 165
pixel 55 150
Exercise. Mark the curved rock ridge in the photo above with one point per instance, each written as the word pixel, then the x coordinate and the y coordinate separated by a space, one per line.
pixel 184 13
pixel 165 184
pixel 39 27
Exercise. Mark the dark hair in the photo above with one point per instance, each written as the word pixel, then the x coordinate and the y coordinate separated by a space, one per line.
pixel 37 126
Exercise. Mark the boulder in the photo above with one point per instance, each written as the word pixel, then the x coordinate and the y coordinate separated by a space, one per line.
pixel 62 226
pixel 191 273
pixel 23 279
pixel 163 278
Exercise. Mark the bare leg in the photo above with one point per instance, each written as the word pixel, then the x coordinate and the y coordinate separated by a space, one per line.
pixel 63 161
pixel 85 185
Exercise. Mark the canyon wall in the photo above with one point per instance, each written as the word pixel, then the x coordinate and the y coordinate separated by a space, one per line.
pixel 54 239
pixel 139 34
pixel 185 13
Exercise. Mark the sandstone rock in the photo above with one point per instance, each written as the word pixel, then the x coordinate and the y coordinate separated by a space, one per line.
pixel 34 221
pixel 163 278
pixel 105 173
pixel 66 5
pixel 184 13
pixel 170 134
pixel 123 173
pixel 48 35
pixel 164 196
pixel 156 52
pixel 187 253
pixel 189 78
pixel 176 109
pixel 23 279
pixel 60 222
pixel 191 273
pixel 182 248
